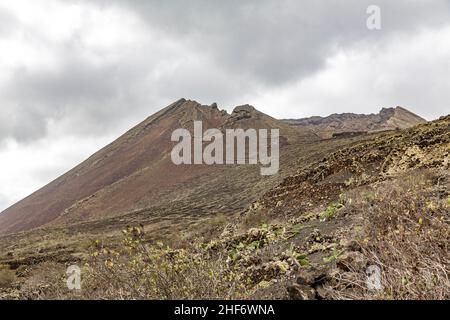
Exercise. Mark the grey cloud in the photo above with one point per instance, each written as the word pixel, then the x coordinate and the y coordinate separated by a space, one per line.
pixel 7 22
pixel 280 41
pixel 225 51
pixel 4 201
pixel 92 98
pixel 240 46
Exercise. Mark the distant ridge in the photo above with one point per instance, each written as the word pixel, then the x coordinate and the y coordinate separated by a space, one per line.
pixel 335 124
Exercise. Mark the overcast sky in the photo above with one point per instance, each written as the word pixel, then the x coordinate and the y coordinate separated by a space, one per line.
pixel 76 74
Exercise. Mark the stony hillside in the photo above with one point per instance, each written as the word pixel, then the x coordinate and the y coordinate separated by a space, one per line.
pixel 347 206
pixel 382 203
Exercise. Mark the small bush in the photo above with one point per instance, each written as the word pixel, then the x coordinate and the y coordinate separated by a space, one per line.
pixel 333 208
pixel 140 271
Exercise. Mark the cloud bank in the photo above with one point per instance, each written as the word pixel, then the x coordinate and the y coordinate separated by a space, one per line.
pixel 79 73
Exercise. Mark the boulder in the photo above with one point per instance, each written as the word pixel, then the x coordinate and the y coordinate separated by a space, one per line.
pixel 352 261
pixel 301 292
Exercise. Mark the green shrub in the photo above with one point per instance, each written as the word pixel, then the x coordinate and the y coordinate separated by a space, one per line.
pixel 333 256
pixel 333 208
pixel 302 259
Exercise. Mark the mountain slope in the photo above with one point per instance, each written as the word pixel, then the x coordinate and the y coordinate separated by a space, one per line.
pixel 346 205
pixel 337 207
pixel 135 172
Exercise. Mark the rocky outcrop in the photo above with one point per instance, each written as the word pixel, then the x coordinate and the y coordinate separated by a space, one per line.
pixel 243 112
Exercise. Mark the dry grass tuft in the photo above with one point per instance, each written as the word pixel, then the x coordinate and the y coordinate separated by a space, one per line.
pixel 7 277
pixel 408 225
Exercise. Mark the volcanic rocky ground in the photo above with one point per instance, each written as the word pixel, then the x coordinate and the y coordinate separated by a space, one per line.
pixel 319 199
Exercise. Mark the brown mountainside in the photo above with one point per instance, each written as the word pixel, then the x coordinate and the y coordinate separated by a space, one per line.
pixel 336 208
pixel 135 173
